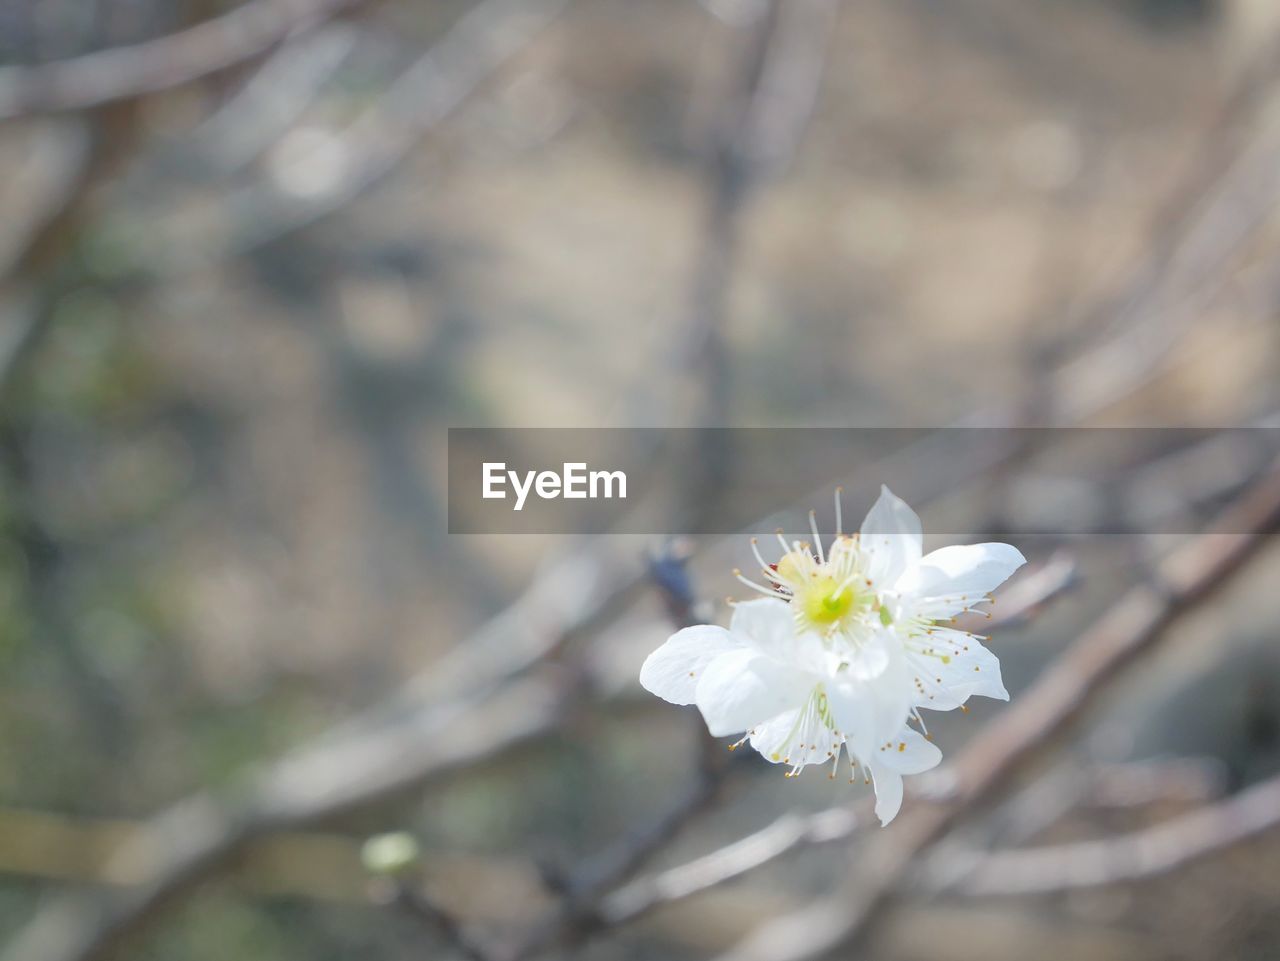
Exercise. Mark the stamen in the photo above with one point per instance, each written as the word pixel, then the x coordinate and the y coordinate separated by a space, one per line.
pixel 817 538
pixel 839 524
pixel 786 548
pixel 755 549
pixel 768 591
pixel 845 584
pixel 920 720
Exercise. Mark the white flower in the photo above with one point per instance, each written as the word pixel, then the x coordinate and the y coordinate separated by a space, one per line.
pixel 879 577
pixel 799 697
pixel 849 645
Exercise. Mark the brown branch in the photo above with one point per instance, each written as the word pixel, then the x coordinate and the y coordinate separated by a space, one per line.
pixel 1015 739
pixel 789 86
pixel 127 73
pixel 414 903
pixel 785 835
pixel 82 154
pixel 620 861
pixel 583 888
pixel 729 175
pixel 91 150
pixel 315 864
pixel 581 911
pixel 772 90
pixel 1067 788
pixel 1028 594
pixel 203 835
pixel 269 103
pixel 1135 784
pixel 1167 297
pixel 422 97
pixel 1203 219
pixel 1137 856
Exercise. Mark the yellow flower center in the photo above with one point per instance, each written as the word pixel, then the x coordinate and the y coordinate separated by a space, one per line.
pixel 822 602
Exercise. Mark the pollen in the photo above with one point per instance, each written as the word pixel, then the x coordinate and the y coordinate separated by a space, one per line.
pixel 824 602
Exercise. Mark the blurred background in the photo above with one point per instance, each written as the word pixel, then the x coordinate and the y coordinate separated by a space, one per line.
pixel 255 259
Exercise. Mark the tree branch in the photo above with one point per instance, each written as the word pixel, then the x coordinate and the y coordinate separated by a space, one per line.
pixel 789 833
pixel 1136 856
pixel 417 905
pixel 202 835
pixel 127 73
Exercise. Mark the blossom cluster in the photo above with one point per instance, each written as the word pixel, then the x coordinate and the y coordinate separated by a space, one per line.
pixel 849 643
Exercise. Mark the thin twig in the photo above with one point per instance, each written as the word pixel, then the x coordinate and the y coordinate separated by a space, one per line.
pixel 789 833
pixel 142 69
pixel 421 98
pixel 757 131
pixel 1028 594
pixel 1075 785
pixel 268 104
pixel 93 147
pixel 202 835
pixel 416 904
pixel 583 888
pixel 1137 856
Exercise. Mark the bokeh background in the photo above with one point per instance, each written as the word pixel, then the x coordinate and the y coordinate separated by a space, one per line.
pixel 248 279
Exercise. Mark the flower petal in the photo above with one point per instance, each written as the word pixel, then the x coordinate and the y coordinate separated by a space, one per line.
pixel 871 711
pixel 908 753
pixel 797 738
pixel 954 579
pixel 891 538
pixel 673 670
pixel 853 708
pixel 873 656
pixel 893 699
pixel 950 667
pixel 772 738
pixel 743 688
pixel 888 787
pixel 766 624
